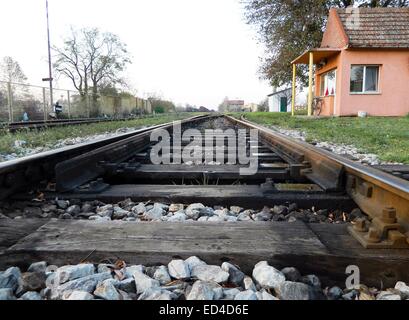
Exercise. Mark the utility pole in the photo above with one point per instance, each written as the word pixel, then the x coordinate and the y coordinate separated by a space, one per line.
pixel 50 71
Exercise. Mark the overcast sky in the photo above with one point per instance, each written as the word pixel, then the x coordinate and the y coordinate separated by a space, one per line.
pixel 190 51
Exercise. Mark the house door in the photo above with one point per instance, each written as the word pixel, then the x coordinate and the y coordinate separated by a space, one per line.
pixel 283 104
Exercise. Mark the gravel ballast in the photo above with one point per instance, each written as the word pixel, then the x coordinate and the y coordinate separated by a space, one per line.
pixel 130 211
pixel 190 279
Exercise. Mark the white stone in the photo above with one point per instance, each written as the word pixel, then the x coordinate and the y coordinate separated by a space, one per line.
pixel 230 294
pixel 248 284
pixel 221 212
pixel 230 219
pixel 68 273
pixel 31 295
pixel 143 282
pixel 217 290
pixel 107 291
pixel 162 206
pixel 200 291
pixel 244 216
pixel 386 295
pixel 119 213
pixel 193 262
pixel 105 211
pixel 10 278
pixel 267 276
pixel 156 294
pixel 154 214
pixel 210 273
pixel 87 284
pixel 293 291
pixel 80 296
pixel 193 211
pixel 403 288
pixel 246 295
pixel 37 267
pixel 176 207
pixel 215 219
pixel 178 217
pixel 139 209
pixel 266 296
pixel 235 209
pixel 162 275
pixel 178 269
pixel 129 271
pixel 7 294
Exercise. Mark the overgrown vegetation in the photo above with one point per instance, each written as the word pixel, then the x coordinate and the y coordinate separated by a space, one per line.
pixel 387 137
pixel 160 105
pixel 48 137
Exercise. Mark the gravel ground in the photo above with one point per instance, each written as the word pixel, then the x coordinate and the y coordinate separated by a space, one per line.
pixel 190 279
pixel 22 150
pixel 158 212
pixel 348 151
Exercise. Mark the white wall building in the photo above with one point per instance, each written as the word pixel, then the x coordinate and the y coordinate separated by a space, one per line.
pixel 280 100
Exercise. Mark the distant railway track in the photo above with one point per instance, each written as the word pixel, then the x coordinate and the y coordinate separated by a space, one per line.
pixel 288 171
pixel 41 124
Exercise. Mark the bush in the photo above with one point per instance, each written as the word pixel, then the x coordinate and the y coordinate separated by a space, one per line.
pixel 159 109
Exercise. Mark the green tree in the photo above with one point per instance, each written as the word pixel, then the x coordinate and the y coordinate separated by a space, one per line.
pixel 160 105
pixel 289 27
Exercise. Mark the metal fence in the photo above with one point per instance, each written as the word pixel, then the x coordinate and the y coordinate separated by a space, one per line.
pixel 16 99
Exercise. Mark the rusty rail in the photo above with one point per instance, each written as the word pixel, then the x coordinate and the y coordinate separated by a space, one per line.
pixel 383 197
pixel 26 171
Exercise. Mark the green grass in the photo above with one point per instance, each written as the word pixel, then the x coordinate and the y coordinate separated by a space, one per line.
pixel 387 137
pixel 48 137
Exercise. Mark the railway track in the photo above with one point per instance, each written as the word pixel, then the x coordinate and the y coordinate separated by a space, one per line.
pixel 288 173
pixel 41 124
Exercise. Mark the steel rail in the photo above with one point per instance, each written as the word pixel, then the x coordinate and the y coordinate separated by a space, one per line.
pixel 17 173
pixel 15 126
pixel 376 176
pixel 384 197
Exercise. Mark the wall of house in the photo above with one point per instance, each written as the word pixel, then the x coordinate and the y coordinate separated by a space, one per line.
pixel 392 99
pixel 334 35
pixel 274 102
pixel 330 102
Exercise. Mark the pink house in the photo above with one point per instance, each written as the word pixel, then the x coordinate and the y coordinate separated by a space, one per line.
pixel 362 64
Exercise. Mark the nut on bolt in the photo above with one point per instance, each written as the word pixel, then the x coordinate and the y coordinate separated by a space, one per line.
pixel 360 225
pixel 373 236
pixel 389 215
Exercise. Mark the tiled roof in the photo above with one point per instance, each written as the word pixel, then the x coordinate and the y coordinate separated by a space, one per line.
pixel 376 27
pixel 235 102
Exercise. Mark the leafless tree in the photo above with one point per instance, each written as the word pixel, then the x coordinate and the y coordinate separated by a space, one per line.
pixel 11 71
pixel 91 58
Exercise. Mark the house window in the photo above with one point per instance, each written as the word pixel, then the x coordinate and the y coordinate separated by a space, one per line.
pixel 364 79
pixel 328 84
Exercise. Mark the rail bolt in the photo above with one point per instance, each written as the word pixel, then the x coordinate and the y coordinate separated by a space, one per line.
pixel 373 236
pixel 389 215
pixel 360 225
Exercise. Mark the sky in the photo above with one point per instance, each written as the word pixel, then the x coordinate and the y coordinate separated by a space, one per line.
pixel 189 51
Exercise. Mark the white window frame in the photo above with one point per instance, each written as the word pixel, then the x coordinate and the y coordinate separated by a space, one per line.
pixel 364 79
pixel 323 75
